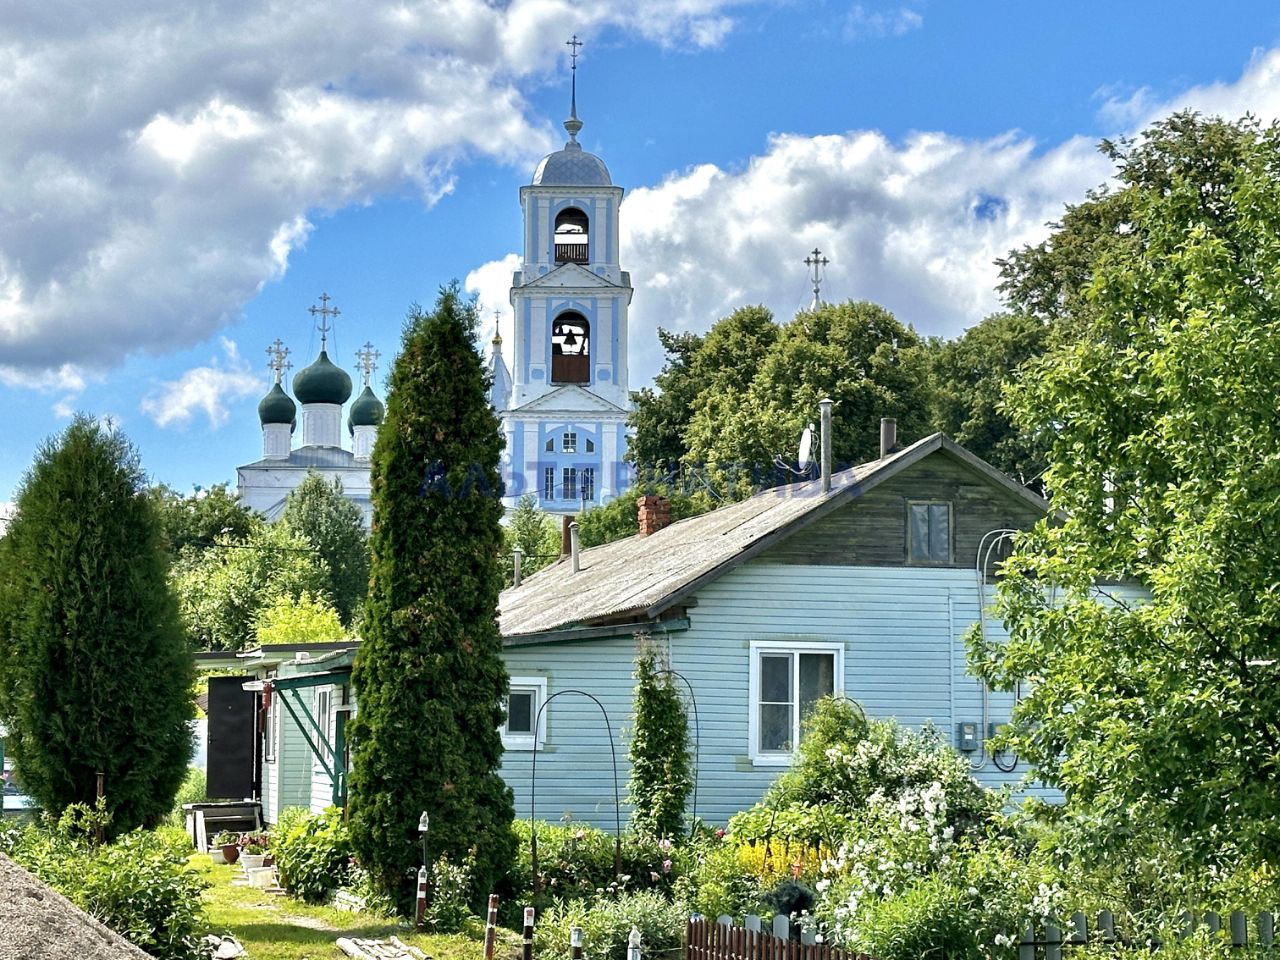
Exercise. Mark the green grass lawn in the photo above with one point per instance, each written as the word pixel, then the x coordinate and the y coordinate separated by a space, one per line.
pixel 275 927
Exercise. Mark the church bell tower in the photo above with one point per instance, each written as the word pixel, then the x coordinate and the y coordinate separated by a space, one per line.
pixel 564 412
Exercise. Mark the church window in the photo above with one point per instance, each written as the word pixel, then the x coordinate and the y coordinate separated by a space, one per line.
pixel 549 483
pixel 571 349
pixel 572 244
pixel 591 446
pixel 551 446
pixel 570 443
pixel 588 483
pixel 570 490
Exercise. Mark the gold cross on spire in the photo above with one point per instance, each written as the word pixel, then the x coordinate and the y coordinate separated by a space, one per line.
pixel 324 312
pixel 497 336
pixel 367 361
pixel 278 359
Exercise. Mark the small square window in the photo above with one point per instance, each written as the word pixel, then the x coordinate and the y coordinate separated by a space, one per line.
pixel 525 699
pixel 928 532
pixel 570 443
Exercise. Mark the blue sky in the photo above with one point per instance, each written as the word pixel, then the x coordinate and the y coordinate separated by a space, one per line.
pixel 181 188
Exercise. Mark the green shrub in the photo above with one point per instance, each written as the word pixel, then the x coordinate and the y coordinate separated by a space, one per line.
pixel 576 860
pixel 313 854
pixel 191 791
pixel 661 765
pixel 448 893
pixel 606 923
pixel 140 886
pixel 717 883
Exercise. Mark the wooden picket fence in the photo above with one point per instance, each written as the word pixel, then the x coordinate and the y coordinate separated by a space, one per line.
pixel 1050 941
pixel 721 940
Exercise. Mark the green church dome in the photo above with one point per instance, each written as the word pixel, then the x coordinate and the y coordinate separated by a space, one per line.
pixel 322 382
pixel 367 411
pixel 276 407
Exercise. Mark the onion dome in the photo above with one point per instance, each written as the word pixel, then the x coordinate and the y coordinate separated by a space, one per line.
pixel 277 407
pixel 367 411
pixel 572 166
pixel 322 382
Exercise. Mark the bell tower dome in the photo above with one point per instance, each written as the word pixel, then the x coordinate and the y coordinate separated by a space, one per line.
pixel 565 416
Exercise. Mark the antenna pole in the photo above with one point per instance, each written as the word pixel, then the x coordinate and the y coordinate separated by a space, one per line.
pixel 825 405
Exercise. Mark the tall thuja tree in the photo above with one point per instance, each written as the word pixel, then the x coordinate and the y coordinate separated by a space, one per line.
pixel 429 677
pixel 319 515
pixel 661 769
pixel 97 675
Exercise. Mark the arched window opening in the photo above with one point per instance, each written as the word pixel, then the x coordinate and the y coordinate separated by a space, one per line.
pixel 571 236
pixel 570 349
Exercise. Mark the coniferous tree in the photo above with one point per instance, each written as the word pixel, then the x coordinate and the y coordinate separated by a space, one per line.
pixel 97 674
pixel 429 676
pixel 661 770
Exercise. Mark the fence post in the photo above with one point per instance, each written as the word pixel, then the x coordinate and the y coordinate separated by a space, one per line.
pixel 633 944
pixel 528 933
pixel 1027 948
pixel 781 927
pixel 752 923
pixel 1239 929
pixel 1266 928
pixel 491 927
pixel 1079 928
pixel 1052 942
pixel 421 911
pixel 575 942
pixel 1213 921
pixel 1107 926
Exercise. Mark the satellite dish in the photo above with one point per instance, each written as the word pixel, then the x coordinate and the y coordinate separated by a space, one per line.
pixel 806 447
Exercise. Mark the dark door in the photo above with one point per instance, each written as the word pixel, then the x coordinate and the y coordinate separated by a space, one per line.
pixel 232 765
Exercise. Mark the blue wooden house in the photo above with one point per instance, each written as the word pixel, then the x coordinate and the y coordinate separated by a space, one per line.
pixel 864 590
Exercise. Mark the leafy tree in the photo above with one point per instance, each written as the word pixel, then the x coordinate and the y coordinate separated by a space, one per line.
pixel 195 521
pixel 856 353
pixel 662 411
pixel 97 674
pixel 429 676
pixel 535 533
pixel 661 768
pixel 304 619
pixel 1159 717
pixel 969 375
pixel 222 590
pixel 319 515
pixel 620 518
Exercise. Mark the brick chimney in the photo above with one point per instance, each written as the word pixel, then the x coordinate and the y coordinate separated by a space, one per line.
pixel 655 513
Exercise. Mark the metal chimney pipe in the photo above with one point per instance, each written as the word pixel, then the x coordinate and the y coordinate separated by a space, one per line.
pixel 517 555
pixel 824 405
pixel 888 436
pixel 564 535
pixel 573 544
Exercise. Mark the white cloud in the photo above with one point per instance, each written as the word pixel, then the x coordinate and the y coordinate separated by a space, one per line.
pixel 160 159
pixel 8 509
pixel 65 408
pixel 205 389
pixel 492 284
pixel 864 23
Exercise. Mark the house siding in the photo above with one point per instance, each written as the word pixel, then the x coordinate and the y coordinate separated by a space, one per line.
pixel 286 780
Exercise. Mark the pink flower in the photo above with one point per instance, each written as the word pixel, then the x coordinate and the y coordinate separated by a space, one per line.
pixel 666 866
pixel 719 833
pixel 664 845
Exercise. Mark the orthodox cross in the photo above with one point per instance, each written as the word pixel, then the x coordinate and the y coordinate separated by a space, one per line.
pixel 324 312
pixel 817 262
pixel 573 124
pixel 497 336
pixel 278 359
pixel 367 361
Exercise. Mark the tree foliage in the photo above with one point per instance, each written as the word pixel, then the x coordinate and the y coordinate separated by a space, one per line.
pixel 535 532
pixel 223 589
pixel 197 520
pixel 429 676
pixel 319 515
pixel 1159 718
pixel 304 619
pixel 96 673
pixel 661 767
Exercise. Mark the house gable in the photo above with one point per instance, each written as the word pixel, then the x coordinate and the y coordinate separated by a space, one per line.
pixel 871 530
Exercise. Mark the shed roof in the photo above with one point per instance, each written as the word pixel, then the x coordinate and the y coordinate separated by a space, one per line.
pixel 38 923
pixel 641 577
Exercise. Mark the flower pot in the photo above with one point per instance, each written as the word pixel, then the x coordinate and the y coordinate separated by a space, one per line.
pixel 217 856
pixel 230 852
pixel 251 861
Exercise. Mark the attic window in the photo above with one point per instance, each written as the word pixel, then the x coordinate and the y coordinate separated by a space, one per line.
pixel 929 531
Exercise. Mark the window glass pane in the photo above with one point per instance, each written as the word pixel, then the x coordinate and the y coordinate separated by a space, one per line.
pixel 817 679
pixel 591 446
pixel 520 712
pixel 551 446
pixel 775 678
pixel 918 514
pixel 775 727
pixel 939 532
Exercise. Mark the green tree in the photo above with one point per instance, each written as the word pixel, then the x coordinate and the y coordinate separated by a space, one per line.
pixel 319 515
pixel 661 768
pixel 97 675
pixel 197 520
pixel 1158 718
pixel 969 376
pixel 304 619
pixel 429 676
pixel 662 412
pixel 620 518
pixel 222 590
pixel 535 533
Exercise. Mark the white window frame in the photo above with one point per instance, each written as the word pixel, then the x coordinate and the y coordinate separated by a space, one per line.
pixel 569 483
pixel 779 759
pixel 271 745
pixel 324 720
pixel 548 488
pixel 587 484
pixel 569 442
pixel 525 741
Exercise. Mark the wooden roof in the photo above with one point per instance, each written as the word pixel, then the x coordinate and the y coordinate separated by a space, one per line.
pixel 642 577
